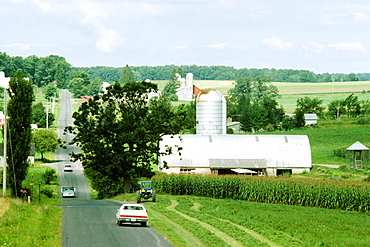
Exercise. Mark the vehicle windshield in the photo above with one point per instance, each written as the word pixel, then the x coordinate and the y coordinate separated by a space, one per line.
pixel 146 185
pixel 133 208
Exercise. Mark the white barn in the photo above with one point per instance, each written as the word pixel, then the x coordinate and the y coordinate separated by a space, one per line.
pixel 211 151
pixel 226 154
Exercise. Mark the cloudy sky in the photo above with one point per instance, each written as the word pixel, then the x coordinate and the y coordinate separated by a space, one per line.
pixel 318 35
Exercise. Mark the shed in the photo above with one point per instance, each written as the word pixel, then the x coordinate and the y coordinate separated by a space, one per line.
pixel 220 154
pixel 310 118
pixel 357 156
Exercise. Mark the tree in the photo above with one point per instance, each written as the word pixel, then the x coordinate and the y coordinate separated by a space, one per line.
pixel 189 111
pixel 352 105
pixel 173 83
pixel 78 87
pixel 19 111
pixel 118 133
pixel 243 86
pixel 126 75
pixel 336 108
pixel 50 91
pixel 61 70
pixel 310 105
pixel 39 115
pixel 45 141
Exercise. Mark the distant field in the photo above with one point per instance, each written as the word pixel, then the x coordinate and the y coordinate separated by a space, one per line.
pixel 291 91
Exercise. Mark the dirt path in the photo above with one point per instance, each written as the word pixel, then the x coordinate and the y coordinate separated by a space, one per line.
pixel 4 206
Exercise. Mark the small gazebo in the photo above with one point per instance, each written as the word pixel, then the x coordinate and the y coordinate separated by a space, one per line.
pixel 357 156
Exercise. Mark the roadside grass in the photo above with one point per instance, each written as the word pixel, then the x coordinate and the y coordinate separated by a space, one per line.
pixel 252 223
pixel 33 224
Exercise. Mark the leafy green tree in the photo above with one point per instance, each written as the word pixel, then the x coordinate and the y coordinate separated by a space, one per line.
pixel 61 73
pixel 50 91
pixel 299 118
pixel 78 87
pixel 336 108
pixel 352 105
pixel 243 86
pixel 310 105
pixel 49 176
pixel 20 115
pixel 173 84
pixel 365 107
pixel 39 115
pixel 189 111
pixel 126 75
pixel 45 141
pixel 95 86
pixel 81 75
pixel 118 133
pixel 288 123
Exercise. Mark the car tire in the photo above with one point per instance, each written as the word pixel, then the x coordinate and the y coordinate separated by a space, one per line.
pixel 118 223
pixel 143 224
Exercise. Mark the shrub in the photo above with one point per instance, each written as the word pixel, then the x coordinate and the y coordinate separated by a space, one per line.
pixel 341 152
pixel 229 131
pixel 47 192
pixel 49 175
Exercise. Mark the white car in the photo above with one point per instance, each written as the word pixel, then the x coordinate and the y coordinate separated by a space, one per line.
pixel 68 168
pixel 132 213
pixel 68 192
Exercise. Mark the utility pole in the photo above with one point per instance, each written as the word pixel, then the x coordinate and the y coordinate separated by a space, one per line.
pixel 4 83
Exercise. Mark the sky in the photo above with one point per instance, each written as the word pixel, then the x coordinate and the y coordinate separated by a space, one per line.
pixel 323 36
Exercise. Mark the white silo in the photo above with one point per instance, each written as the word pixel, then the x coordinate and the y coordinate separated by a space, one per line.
pixel 210 113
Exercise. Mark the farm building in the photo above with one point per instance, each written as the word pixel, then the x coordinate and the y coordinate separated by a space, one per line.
pixel 220 154
pixel 211 151
pixel 309 118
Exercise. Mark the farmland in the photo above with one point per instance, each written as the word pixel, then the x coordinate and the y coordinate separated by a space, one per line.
pixel 204 221
pixel 289 92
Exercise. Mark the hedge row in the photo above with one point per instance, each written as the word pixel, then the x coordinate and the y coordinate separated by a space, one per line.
pixel 354 196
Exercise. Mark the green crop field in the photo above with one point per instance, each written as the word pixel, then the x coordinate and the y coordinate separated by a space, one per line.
pixel 289 92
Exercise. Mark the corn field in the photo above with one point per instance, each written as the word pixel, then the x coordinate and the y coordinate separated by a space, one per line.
pixel 353 196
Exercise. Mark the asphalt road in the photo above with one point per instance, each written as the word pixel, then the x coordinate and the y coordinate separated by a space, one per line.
pixel 92 222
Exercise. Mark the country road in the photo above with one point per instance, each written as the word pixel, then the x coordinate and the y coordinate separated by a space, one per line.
pixel 92 222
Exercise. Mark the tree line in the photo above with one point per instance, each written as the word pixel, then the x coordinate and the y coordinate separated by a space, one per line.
pixel 112 74
pixel 55 69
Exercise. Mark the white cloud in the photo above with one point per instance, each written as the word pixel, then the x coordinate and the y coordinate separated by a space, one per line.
pixel 219 46
pixel 354 46
pixel 19 46
pixel 278 43
pixel 108 40
pixel 344 46
pixel 44 6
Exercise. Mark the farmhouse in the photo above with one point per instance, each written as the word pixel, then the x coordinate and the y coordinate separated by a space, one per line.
pixel 211 151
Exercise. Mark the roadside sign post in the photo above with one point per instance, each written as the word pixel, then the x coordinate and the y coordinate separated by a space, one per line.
pixel 39 183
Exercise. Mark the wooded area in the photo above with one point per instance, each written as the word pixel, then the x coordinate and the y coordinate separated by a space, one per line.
pixel 55 69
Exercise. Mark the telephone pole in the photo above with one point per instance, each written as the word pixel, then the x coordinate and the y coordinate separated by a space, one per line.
pixel 4 83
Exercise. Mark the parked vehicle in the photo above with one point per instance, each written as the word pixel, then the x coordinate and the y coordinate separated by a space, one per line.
pixel 146 191
pixel 68 168
pixel 68 192
pixel 132 213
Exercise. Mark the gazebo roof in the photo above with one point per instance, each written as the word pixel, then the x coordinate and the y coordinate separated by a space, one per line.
pixel 358 146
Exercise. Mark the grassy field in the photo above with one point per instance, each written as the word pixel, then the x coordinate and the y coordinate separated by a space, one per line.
pixel 203 221
pixel 35 224
pixel 289 92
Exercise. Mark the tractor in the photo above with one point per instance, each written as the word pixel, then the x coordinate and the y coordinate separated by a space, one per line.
pixel 145 191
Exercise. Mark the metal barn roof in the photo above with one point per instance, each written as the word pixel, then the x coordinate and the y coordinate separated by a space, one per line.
pixel 236 151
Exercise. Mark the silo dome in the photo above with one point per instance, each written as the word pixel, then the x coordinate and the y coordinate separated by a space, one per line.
pixel 210 113
pixel 210 95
